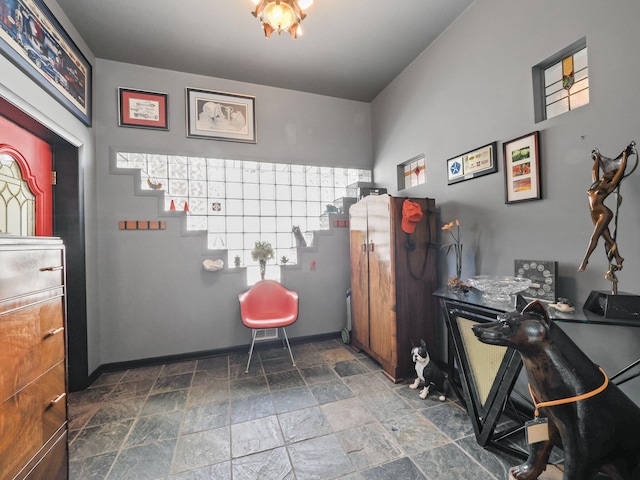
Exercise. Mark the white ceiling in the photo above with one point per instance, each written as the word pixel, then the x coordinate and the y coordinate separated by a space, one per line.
pixel 350 48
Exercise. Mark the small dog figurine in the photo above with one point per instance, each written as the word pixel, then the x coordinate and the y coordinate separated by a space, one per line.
pixel 300 240
pixel 428 373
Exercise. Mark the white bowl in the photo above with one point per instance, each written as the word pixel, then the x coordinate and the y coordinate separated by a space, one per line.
pixel 499 288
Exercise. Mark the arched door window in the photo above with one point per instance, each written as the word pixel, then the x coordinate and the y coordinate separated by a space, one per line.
pixel 17 202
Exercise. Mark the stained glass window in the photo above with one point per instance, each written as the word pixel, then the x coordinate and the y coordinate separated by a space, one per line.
pixel 412 173
pixel 562 83
pixel 241 202
pixel 17 202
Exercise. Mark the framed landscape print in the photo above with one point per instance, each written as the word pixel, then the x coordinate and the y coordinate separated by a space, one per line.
pixel 221 116
pixel 522 169
pixel 142 109
pixel 473 164
pixel 32 38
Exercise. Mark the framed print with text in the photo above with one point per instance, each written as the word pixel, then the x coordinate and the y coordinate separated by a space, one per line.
pixel 221 116
pixel 473 164
pixel 522 169
pixel 142 109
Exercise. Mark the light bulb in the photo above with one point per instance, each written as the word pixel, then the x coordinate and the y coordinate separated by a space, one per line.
pixel 279 15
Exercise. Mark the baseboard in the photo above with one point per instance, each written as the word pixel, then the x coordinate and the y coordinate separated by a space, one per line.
pixel 147 362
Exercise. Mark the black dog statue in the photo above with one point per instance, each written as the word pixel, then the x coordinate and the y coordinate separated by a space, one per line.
pixel 599 426
pixel 428 373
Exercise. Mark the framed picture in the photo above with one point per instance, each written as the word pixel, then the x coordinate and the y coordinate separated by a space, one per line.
pixel 221 116
pixel 473 164
pixel 522 169
pixel 32 38
pixel 142 109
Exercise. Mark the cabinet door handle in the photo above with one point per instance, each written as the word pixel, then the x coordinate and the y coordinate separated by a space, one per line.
pixel 364 248
pixel 371 246
pixel 54 331
pixel 57 399
pixel 51 269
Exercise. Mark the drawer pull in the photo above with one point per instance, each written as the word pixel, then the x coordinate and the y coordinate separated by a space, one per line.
pixel 51 269
pixel 54 331
pixel 57 399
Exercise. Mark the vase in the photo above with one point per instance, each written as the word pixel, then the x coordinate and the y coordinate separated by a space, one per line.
pixel 263 268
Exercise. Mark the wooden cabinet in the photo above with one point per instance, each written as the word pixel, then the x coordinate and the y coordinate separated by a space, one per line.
pixel 393 275
pixel 33 384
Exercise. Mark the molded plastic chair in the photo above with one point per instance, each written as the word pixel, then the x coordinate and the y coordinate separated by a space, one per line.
pixel 268 304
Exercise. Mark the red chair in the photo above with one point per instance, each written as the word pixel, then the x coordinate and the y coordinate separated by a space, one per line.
pixel 268 304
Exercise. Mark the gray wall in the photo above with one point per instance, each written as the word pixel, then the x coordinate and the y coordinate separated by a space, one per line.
pixel 473 86
pixel 155 297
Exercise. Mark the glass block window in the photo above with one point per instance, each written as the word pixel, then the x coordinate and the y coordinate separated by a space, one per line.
pixel 412 173
pixel 562 83
pixel 240 202
pixel 17 202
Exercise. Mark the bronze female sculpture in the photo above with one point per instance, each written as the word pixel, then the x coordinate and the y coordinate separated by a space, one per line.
pixel 613 172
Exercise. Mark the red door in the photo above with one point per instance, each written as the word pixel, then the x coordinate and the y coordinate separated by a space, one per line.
pixel 34 158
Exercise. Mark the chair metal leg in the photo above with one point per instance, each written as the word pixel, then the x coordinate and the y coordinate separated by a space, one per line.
pixel 293 362
pixel 253 340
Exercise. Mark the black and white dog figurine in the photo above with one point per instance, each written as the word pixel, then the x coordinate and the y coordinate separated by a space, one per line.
pixel 428 373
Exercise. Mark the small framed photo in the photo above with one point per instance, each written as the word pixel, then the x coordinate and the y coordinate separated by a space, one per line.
pixel 141 109
pixel 221 116
pixel 522 169
pixel 473 164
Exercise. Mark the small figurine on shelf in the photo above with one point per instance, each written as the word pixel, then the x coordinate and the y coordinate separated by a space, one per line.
pixel 284 260
pixel 236 261
pixel 331 209
pixel 297 234
pixel 563 305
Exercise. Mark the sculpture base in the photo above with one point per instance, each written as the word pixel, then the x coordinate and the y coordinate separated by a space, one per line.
pixel 622 305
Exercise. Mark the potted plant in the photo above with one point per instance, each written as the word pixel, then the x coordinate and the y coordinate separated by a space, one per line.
pixel 262 251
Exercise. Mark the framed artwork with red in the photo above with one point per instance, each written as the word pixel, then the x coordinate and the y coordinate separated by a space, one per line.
pixel 141 109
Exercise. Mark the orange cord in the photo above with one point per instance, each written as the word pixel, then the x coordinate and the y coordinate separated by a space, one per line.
pixel 562 401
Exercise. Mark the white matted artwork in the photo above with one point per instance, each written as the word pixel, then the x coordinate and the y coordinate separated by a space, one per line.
pixel 221 116
pixel 522 169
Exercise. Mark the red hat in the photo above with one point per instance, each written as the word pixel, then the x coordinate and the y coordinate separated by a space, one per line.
pixel 411 214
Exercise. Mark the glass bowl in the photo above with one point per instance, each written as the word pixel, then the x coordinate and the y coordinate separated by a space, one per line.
pixel 499 288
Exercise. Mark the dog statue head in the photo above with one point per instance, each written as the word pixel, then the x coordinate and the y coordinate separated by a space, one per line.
pixel 420 354
pixel 516 329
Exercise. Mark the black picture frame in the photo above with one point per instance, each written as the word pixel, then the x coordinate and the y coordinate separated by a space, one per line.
pixel 221 116
pixel 33 39
pixel 522 179
pixel 143 109
pixel 472 164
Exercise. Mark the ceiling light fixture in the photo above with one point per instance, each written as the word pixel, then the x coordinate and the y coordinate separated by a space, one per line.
pixel 281 15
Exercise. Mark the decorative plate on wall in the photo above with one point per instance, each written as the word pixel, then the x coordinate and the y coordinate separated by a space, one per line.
pixel 544 278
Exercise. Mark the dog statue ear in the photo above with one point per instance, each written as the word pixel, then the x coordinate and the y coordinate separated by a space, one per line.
pixel 521 303
pixel 537 307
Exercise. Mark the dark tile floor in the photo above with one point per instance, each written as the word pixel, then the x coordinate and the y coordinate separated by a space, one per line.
pixel 333 415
